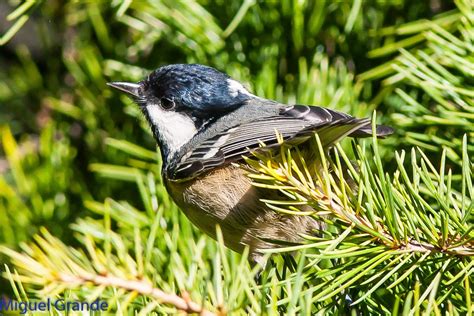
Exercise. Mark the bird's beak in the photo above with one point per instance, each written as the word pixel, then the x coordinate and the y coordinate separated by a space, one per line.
pixel 128 87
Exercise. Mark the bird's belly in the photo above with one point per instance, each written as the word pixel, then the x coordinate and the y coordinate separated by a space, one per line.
pixel 226 197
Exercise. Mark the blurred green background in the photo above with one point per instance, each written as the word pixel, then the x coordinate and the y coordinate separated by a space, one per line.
pixel 59 122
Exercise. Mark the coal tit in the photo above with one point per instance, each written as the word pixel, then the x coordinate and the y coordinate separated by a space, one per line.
pixel 204 123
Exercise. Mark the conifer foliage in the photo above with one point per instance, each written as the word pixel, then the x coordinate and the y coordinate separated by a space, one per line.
pixel 85 215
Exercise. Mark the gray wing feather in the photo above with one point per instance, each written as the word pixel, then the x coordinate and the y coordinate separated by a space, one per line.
pixel 295 123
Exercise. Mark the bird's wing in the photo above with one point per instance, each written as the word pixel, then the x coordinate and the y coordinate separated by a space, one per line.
pixel 295 124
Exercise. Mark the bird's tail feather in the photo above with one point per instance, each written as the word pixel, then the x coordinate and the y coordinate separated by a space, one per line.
pixel 333 133
pixel 366 131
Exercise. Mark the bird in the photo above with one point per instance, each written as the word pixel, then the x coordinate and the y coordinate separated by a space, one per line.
pixel 205 124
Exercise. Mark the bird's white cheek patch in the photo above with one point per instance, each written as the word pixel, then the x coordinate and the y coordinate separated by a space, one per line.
pixel 175 129
pixel 236 87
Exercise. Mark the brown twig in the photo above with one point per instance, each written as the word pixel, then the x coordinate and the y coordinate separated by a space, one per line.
pixel 412 245
pixel 140 286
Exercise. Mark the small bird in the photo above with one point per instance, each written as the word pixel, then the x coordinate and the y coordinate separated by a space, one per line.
pixel 205 123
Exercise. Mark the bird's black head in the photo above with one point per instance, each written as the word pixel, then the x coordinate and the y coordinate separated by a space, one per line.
pixel 179 100
pixel 198 88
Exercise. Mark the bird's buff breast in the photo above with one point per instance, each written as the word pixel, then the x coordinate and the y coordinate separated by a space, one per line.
pixel 218 198
pixel 226 197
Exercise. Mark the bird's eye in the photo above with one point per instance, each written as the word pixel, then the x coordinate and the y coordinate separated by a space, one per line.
pixel 167 104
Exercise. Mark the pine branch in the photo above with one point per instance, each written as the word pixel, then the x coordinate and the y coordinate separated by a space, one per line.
pixel 54 267
pixel 142 287
pixel 411 245
pixel 379 222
